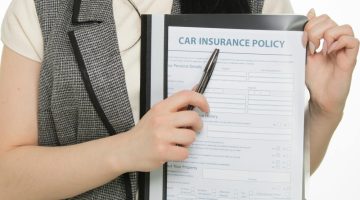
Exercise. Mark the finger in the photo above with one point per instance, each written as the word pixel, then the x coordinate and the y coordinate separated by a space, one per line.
pixel 313 21
pixel 316 33
pixel 334 33
pixel 183 137
pixel 349 43
pixel 187 119
pixel 311 14
pixel 177 153
pixel 305 39
pixel 185 98
pixel 195 87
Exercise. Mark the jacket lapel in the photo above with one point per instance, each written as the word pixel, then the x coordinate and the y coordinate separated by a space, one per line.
pixel 88 11
pixel 97 54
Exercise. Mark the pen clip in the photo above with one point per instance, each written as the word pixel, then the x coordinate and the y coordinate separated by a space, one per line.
pixel 209 69
pixel 212 61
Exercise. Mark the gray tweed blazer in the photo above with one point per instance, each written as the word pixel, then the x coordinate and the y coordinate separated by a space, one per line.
pixel 83 92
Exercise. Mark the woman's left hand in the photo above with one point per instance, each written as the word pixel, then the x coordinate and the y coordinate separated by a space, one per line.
pixel 329 71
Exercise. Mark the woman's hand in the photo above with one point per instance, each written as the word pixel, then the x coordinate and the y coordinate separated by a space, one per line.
pixel 328 78
pixel 161 136
pixel 328 72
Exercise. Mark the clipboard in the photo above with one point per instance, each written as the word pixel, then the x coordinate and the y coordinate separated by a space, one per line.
pixel 154 74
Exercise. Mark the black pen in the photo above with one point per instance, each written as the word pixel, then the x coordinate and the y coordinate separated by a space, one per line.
pixel 209 69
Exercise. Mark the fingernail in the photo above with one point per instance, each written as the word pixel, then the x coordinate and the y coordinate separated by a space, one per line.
pixel 311 14
pixel 332 47
pixel 325 47
pixel 312 48
pixel 305 39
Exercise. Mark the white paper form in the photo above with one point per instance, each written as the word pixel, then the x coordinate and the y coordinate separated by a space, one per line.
pixel 252 144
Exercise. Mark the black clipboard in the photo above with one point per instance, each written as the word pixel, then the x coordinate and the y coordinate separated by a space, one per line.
pixel 154 52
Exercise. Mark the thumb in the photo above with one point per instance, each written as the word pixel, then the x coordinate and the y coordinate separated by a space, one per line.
pixel 195 87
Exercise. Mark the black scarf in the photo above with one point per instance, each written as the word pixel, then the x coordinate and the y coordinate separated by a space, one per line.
pixel 215 6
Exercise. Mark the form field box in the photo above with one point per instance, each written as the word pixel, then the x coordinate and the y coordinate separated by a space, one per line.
pixel 270 98
pixel 272 75
pixel 270 103
pixel 270 112
pixel 237 175
pixel 232 106
pixel 249 133
pixel 270 108
pixel 270 80
pixel 228 110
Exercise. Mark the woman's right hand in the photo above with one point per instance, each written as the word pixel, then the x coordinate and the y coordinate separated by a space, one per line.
pixel 161 136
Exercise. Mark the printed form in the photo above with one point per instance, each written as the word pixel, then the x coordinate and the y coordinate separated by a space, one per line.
pixel 252 143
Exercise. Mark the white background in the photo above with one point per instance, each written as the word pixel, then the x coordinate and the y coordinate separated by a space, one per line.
pixel 338 178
